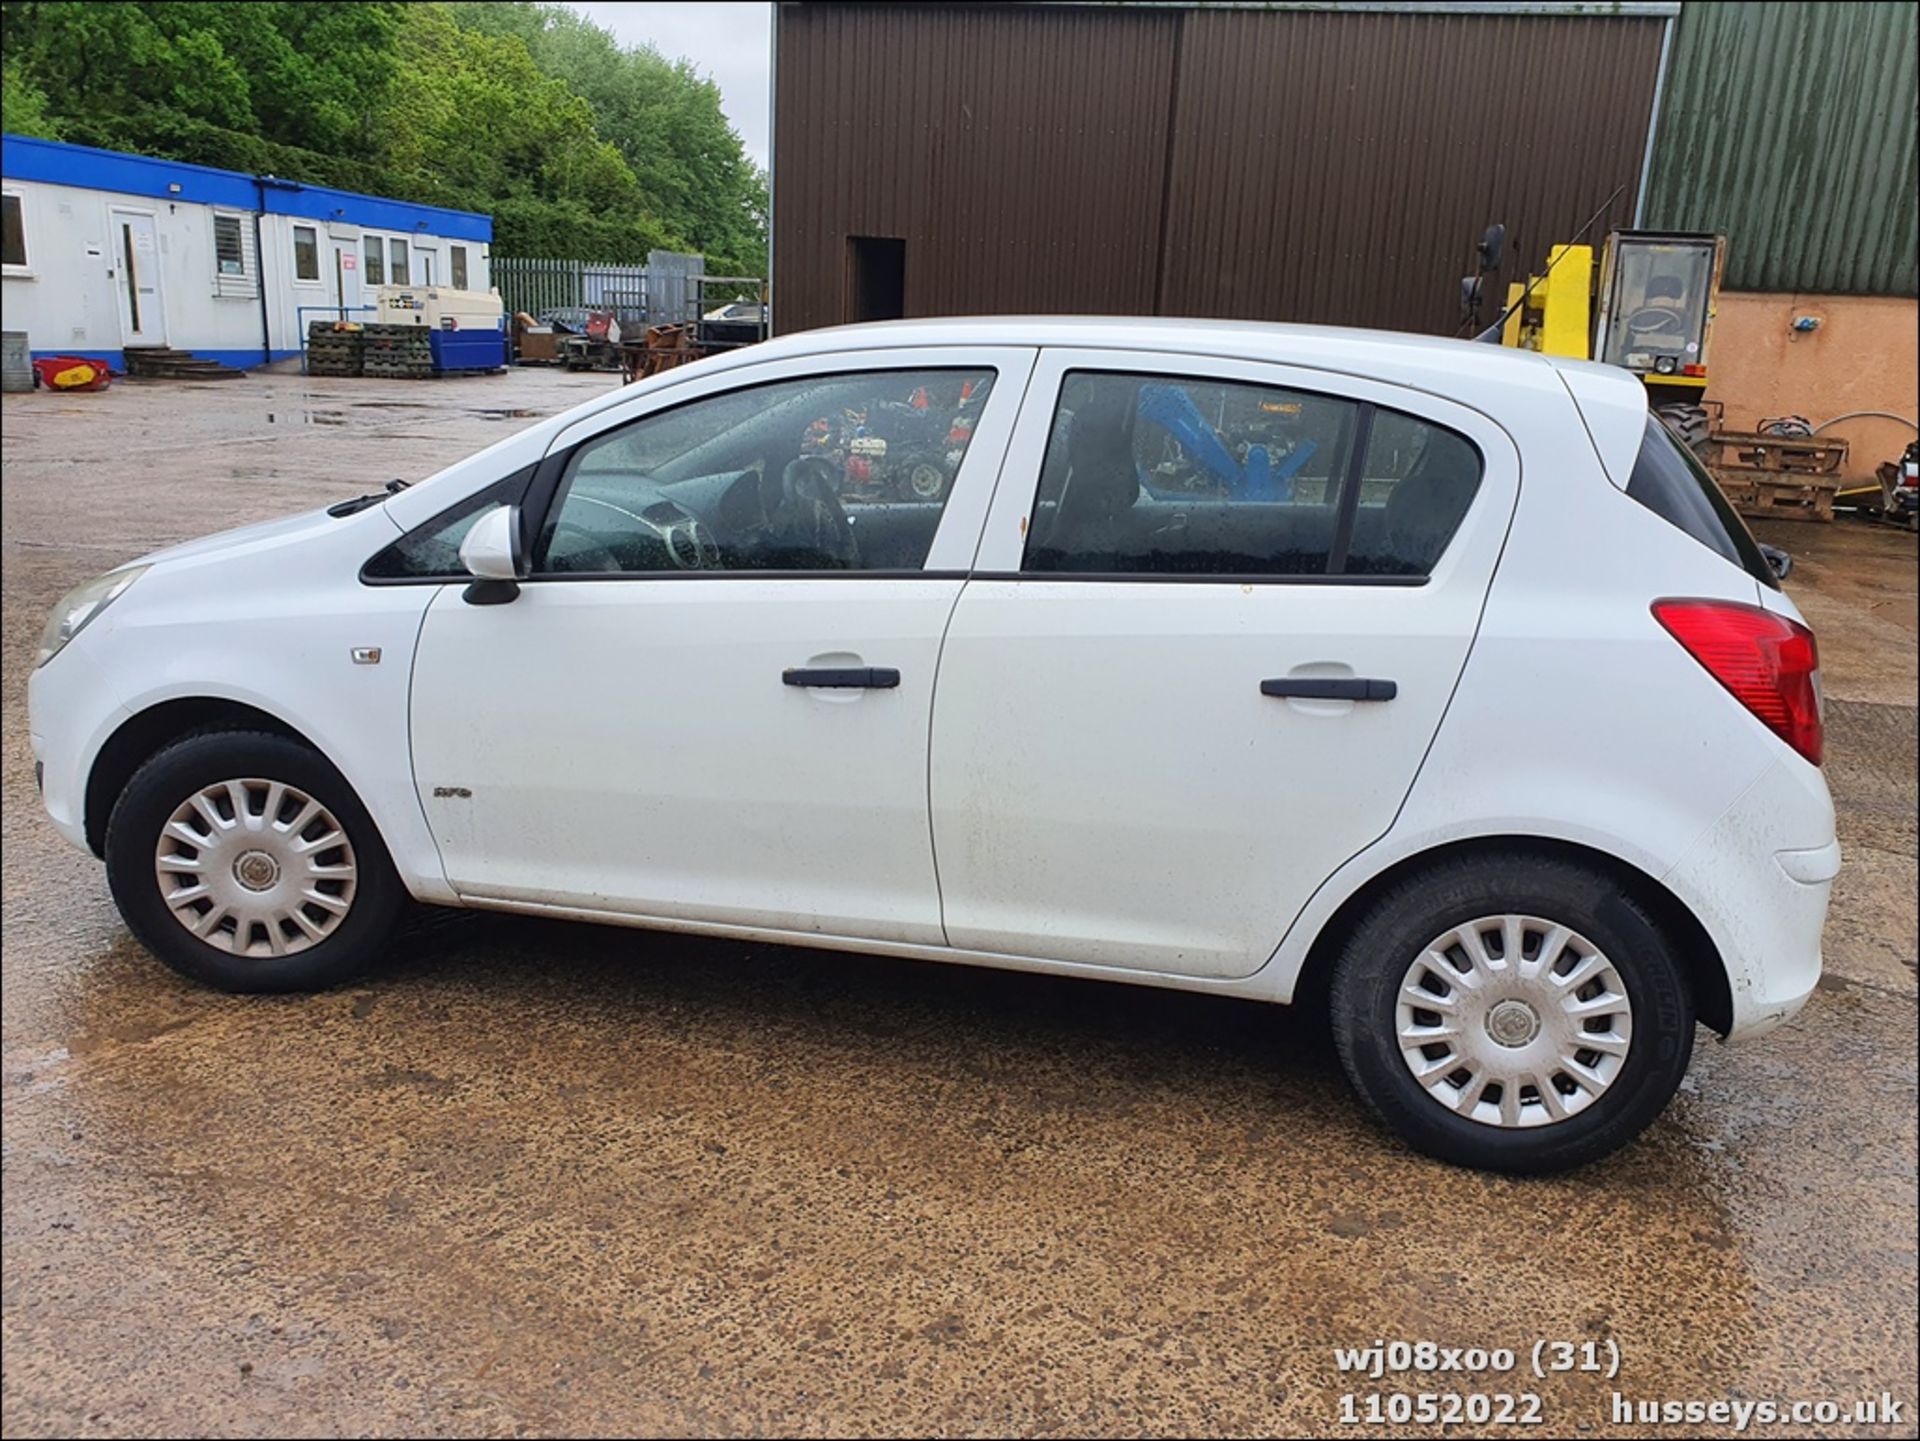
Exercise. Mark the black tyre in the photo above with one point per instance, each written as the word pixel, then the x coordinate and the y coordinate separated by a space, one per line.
pixel 1512 1013
pixel 244 861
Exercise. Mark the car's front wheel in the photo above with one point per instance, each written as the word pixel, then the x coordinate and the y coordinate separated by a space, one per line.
pixel 1512 1012
pixel 244 860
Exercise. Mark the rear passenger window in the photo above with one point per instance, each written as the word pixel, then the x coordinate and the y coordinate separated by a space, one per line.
pixel 1415 487
pixel 1171 475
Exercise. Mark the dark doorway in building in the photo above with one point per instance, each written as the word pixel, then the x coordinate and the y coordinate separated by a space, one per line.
pixel 876 277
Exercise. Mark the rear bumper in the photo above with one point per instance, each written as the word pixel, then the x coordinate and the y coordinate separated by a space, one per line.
pixel 1759 880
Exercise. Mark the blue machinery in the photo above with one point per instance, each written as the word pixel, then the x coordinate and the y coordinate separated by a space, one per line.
pixel 1173 410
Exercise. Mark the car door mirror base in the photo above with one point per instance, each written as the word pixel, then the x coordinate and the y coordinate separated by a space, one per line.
pixel 490 592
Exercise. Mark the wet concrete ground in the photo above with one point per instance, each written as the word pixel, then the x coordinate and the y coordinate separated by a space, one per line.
pixel 549 1178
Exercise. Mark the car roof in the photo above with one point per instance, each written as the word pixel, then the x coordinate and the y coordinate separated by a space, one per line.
pixel 1454 368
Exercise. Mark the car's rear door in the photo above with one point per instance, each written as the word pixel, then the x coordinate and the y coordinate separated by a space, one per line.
pixel 1216 617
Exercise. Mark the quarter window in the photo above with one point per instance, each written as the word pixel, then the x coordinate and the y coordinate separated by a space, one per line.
pixel 375 260
pixel 13 233
pixel 1669 480
pixel 397 262
pixel 432 551
pixel 306 253
pixel 1173 475
pixel 836 472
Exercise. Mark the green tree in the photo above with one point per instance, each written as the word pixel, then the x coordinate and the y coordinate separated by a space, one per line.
pixel 576 146
pixel 663 116
pixel 23 105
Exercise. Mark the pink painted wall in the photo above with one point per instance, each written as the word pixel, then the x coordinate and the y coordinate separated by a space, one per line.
pixel 1865 355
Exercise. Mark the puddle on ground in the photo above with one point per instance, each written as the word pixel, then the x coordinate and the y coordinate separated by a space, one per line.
pixel 496 414
pixel 306 417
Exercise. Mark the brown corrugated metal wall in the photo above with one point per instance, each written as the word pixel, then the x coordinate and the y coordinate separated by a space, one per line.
pixel 1335 167
pixel 1280 165
pixel 1019 152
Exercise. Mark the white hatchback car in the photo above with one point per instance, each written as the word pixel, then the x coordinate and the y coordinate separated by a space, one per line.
pixel 1427 681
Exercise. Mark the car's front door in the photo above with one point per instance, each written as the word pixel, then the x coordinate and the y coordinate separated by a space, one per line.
pixel 1219 610
pixel 710 701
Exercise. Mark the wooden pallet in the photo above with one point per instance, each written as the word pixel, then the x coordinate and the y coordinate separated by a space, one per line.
pixel 1793 455
pixel 1770 495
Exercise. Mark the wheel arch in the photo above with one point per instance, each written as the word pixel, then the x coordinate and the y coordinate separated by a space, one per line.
pixel 150 731
pixel 1706 969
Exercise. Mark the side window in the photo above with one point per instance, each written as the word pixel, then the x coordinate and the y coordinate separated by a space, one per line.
pixel 457 264
pixel 397 262
pixel 233 258
pixel 831 472
pixel 1669 480
pixel 1175 475
pixel 431 551
pixel 13 232
pixel 306 253
pixel 1178 476
pixel 1415 487
pixel 229 245
pixel 376 273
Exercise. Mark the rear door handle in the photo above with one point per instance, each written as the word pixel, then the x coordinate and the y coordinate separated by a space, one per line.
pixel 1330 688
pixel 860 677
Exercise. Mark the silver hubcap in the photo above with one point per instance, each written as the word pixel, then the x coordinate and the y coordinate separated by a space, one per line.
pixel 255 867
pixel 1513 1021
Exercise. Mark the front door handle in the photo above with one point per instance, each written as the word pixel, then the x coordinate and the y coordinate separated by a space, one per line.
pixel 860 677
pixel 1330 688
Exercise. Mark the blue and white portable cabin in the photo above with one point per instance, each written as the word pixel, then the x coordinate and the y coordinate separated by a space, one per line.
pixel 102 252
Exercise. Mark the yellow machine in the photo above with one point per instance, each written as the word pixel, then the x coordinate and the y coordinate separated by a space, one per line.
pixel 1648 307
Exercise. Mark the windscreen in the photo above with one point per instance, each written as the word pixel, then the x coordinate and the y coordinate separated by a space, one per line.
pixel 1657 316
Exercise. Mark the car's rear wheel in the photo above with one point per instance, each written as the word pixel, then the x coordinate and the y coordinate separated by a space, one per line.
pixel 1512 1012
pixel 245 861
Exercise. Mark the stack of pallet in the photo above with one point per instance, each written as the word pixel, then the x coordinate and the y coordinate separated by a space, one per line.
pixel 333 348
pixel 397 351
pixel 1777 477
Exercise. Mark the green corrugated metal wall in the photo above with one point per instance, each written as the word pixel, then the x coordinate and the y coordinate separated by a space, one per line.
pixel 1791 128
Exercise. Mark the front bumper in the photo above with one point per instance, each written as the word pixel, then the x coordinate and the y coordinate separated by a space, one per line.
pixel 69 717
pixel 1759 881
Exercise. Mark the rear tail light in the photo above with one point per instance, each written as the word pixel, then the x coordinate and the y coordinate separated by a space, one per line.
pixel 1769 663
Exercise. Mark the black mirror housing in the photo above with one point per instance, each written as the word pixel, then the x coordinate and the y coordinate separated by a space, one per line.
pixel 1493 247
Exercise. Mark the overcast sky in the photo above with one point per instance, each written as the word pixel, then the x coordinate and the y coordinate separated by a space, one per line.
pixel 732 44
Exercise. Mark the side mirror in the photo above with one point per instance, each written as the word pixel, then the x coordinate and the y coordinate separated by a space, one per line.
pixel 491 554
pixel 1472 291
pixel 1493 246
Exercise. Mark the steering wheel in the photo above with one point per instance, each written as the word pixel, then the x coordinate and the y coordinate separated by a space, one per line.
pixel 1657 320
pixel 810 513
pixel 592 556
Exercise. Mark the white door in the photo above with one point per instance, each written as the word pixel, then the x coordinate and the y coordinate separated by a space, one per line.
pixel 344 274
pixel 136 267
pixel 1161 722
pixel 710 700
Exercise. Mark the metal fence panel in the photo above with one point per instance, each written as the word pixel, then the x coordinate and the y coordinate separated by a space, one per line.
pixel 658 293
